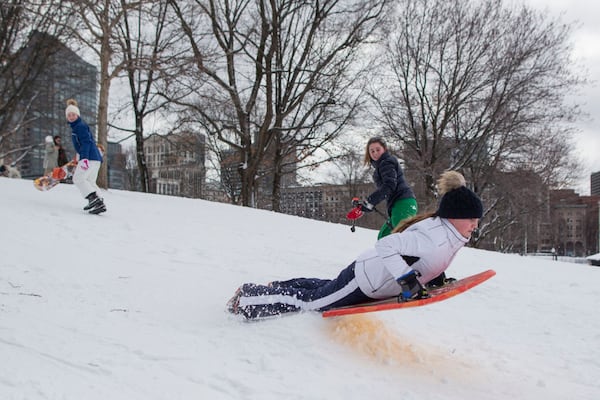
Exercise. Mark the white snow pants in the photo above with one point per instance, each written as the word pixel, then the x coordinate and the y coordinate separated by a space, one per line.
pixel 85 180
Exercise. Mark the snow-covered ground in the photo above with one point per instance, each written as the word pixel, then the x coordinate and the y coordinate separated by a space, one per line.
pixel 131 305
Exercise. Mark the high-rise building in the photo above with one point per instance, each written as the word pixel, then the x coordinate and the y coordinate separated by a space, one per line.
pixel 65 75
pixel 595 184
pixel 116 165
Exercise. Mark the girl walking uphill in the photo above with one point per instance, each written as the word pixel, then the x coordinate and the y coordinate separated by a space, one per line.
pixel 400 264
pixel 391 186
pixel 90 159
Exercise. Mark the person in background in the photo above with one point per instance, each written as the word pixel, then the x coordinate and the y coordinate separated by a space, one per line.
pixel 9 171
pixel 391 186
pixel 62 154
pixel 399 265
pixel 13 172
pixel 50 155
pixel 89 157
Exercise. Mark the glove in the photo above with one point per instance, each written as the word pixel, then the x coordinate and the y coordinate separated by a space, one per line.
pixel 366 206
pixel 84 164
pixel 411 287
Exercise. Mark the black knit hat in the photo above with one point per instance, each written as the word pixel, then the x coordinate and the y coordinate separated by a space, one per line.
pixel 460 203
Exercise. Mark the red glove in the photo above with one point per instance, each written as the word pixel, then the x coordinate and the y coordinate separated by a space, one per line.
pixel 84 164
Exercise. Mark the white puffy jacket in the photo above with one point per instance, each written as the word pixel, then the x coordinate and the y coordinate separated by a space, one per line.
pixel 429 245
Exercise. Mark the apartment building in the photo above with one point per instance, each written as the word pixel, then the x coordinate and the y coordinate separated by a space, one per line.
pixel 176 164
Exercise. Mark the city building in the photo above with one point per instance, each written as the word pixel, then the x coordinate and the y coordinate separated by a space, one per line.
pixel 331 203
pixel 116 163
pixel 574 222
pixel 176 164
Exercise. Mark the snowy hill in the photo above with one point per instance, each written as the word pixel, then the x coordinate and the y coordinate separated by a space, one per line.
pixel 131 305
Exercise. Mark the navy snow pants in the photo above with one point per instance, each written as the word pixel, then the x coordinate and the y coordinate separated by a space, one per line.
pixel 299 294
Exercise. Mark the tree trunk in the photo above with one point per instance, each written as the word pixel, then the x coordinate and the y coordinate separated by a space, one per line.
pixel 102 116
pixel 140 155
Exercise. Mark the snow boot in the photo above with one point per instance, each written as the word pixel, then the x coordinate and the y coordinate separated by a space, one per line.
pixel 100 208
pixel 439 281
pixel 93 201
pixel 234 303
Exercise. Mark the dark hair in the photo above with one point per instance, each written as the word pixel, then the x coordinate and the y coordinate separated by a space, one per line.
pixel 376 139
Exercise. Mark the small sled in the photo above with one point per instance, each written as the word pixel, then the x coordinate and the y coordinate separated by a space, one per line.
pixel 438 294
pixel 355 213
pixel 58 175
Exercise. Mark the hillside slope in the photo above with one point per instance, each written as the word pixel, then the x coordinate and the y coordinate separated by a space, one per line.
pixel 131 305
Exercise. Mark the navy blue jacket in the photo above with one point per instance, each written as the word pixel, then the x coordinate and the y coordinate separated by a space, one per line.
pixel 389 179
pixel 83 141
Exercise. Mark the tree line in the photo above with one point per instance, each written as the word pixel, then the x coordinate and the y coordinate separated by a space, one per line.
pixel 478 86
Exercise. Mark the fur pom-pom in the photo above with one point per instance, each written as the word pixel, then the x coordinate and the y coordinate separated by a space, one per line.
pixel 450 180
pixel 71 108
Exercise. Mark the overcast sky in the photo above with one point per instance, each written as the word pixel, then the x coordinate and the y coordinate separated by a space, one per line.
pixel 587 53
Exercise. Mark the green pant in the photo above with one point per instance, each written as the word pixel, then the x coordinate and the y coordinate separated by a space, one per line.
pixel 402 209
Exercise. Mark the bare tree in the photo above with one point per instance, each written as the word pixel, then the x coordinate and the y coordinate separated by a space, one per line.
pixel 517 219
pixel 274 78
pixel 348 167
pixel 146 47
pixel 480 87
pixel 96 29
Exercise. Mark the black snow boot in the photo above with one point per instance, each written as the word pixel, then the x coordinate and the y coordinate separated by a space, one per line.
pixel 93 201
pixel 439 281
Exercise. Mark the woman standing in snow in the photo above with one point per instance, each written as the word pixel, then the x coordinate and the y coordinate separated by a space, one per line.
pixel 50 155
pixel 401 264
pixel 391 186
pixel 90 159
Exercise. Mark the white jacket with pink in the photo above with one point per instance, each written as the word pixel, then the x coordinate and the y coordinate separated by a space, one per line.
pixel 429 246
